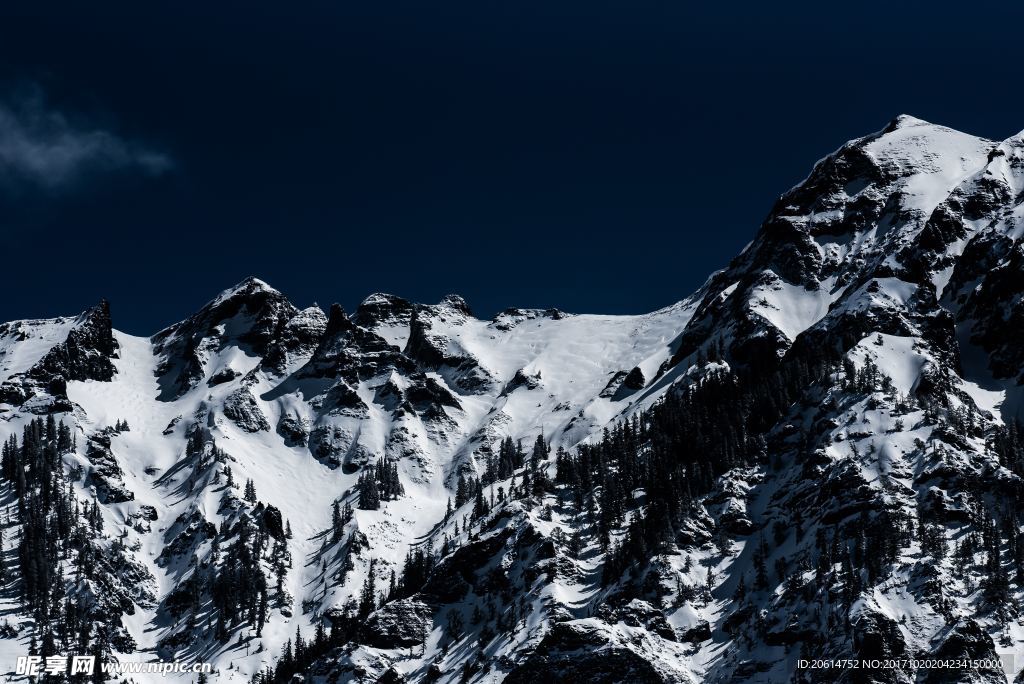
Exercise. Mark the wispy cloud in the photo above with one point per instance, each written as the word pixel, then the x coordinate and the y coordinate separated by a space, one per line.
pixel 41 148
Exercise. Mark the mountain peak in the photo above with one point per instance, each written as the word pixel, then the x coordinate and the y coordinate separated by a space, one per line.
pixel 379 298
pixel 248 286
pixel 381 307
pixel 916 141
pixel 98 311
pixel 910 137
pixel 905 121
pixel 337 320
pixel 456 302
pixel 251 314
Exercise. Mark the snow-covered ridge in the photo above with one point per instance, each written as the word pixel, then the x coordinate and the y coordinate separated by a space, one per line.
pixel 886 289
pixel 302 403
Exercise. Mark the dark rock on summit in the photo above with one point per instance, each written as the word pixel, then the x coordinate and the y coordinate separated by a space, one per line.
pixel 86 353
pixel 350 351
pixel 440 352
pixel 382 308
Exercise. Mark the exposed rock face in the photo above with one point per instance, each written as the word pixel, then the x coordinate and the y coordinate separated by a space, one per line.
pixel 698 633
pixel 458 572
pixel 303 331
pixel 443 352
pixel 383 309
pixel 512 317
pixel 639 613
pixel 189 530
pixel 522 379
pixel 294 430
pixel 966 641
pixel 86 353
pixel 634 380
pixel 798 252
pixel 580 651
pixel 614 385
pixel 222 376
pixel 876 637
pixel 273 523
pixel 351 352
pixel 106 475
pixel 335 446
pixel 990 312
pixel 426 394
pixel 399 624
pixel 242 409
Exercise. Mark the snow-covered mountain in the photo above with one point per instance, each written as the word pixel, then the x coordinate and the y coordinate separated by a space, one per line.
pixel 816 455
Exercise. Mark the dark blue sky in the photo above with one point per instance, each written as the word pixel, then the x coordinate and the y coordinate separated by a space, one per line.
pixel 593 156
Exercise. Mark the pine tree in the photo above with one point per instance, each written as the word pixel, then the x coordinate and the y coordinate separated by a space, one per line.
pixel 250 491
pixel 300 647
pixel 761 565
pixel 336 522
pixel 369 494
pixel 368 599
pixel 479 506
pixel 262 614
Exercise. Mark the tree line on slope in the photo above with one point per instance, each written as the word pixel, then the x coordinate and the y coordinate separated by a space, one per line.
pixel 61 546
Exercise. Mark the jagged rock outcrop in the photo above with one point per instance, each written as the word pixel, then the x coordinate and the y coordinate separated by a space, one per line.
pixel 85 353
pixel 189 530
pixel 581 651
pixel 399 624
pixel 634 380
pixel 241 407
pixel 430 348
pixel 105 474
pixel 383 310
pixel 294 430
